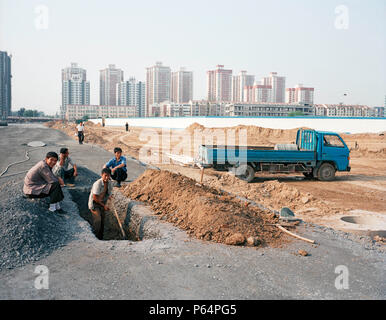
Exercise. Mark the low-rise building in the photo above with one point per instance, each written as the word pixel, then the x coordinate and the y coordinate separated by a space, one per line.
pixel 267 109
pixel 198 108
pixel 380 112
pixel 342 110
pixel 76 111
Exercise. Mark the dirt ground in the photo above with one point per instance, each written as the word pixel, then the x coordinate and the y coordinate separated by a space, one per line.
pixel 205 212
pixel 314 201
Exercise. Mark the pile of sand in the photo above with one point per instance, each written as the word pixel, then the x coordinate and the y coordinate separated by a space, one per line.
pixel 204 212
pixel 258 136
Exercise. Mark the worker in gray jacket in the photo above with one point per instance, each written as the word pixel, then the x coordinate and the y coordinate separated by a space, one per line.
pixel 40 182
pixel 100 193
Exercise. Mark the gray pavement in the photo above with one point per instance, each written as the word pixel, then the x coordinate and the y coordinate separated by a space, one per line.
pixel 172 266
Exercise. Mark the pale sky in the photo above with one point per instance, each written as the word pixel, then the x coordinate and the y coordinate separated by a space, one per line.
pixel 316 43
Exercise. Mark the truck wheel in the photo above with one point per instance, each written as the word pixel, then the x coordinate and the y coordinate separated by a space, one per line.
pixel 248 175
pixel 326 172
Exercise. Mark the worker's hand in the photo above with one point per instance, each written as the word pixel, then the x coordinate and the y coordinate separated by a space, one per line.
pixel 61 182
pixel 112 170
pixel 75 173
pixel 106 208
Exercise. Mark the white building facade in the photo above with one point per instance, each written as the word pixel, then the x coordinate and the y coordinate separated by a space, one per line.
pixel 182 86
pixel 132 93
pixel 239 83
pixel 76 112
pixel 158 85
pixel 300 94
pixel 219 84
pixel 278 87
pixel 109 78
pixel 75 87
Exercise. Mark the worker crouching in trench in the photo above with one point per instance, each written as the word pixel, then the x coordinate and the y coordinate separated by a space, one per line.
pixel 100 193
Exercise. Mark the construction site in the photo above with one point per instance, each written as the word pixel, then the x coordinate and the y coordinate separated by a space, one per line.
pixel 175 230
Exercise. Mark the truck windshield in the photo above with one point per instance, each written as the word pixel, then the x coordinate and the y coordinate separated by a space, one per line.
pixel 332 141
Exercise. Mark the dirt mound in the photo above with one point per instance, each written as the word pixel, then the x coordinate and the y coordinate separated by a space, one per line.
pixel 365 152
pixel 195 126
pixel 255 135
pixel 90 124
pixel 204 212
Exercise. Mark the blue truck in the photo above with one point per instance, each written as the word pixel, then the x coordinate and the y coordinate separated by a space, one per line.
pixel 316 154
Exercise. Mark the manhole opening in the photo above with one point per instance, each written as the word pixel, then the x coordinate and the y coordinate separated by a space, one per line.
pixel 112 229
pixel 369 221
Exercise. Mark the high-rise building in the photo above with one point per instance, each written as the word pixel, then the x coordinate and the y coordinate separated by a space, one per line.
pixel 132 93
pixel 5 85
pixel 300 94
pixel 75 87
pixel 278 86
pixel 157 85
pixel 258 93
pixel 182 86
pixel 109 78
pixel 219 84
pixel 239 83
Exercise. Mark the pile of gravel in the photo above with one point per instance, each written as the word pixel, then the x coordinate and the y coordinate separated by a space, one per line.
pixel 28 231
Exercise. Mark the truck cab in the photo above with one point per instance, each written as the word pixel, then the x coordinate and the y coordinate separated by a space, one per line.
pixel 331 149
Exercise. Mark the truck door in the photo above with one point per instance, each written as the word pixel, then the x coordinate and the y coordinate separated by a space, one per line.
pixel 335 150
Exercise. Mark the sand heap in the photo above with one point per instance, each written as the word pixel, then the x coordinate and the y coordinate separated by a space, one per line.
pixel 70 129
pixel 204 212
pixel 255 135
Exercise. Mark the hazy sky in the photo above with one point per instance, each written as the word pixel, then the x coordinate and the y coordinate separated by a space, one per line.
pixel 309 42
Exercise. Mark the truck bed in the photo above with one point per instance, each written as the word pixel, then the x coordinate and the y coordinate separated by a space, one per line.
pixel 228 154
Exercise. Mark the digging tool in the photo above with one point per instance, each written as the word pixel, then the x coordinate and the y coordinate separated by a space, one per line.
pixel 119 221
pixel 293 234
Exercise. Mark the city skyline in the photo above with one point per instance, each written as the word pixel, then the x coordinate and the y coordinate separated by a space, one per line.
pixel 299 40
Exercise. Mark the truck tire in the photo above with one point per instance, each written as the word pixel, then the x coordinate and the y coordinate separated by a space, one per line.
pixel 248 175
pixel 326 172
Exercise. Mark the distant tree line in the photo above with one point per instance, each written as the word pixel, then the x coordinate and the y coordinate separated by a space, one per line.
pixel 23 112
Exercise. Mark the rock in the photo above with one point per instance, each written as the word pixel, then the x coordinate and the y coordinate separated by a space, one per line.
pixel 253 241
pixel 305 200
pixel 303 253
pixel 286 213
pixel 235 239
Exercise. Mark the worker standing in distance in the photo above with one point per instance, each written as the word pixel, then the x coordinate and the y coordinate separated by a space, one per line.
pixel 40 182
pixel 127 126
pixel 80 132
pixel 99 195
pixel 118 167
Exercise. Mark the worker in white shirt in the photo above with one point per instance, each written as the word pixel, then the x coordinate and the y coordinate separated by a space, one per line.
pixel 80 132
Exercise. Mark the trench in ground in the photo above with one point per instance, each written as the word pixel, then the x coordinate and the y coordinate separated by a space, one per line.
pixel 112 229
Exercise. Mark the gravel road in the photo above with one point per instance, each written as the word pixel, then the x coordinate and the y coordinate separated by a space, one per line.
pixel 172 266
